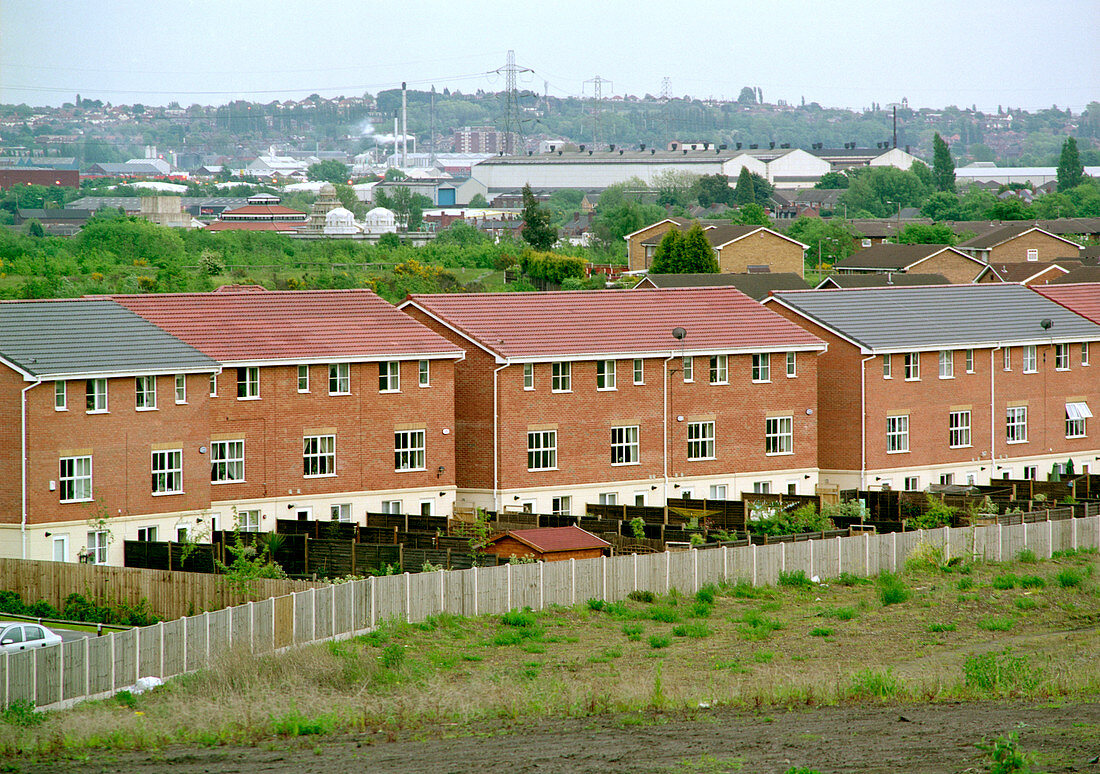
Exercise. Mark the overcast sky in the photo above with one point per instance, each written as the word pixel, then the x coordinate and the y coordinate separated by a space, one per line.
pixel 840 54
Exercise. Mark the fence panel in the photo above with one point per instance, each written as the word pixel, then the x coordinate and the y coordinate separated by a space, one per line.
pixel 525 586
pixel 323 600
pixel 100 664
pixel 219 632
pixel 125 658
pixel 556 579
pixel 263 618
pixel 76 661
pixel 173 648
pixel 47 675
pixel 21 676
pixel 389 591
pixel 424 594
pixel 492 590
pixel 586 580
pixel 195 626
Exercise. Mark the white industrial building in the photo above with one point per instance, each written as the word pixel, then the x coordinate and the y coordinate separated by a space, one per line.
pixel 988 172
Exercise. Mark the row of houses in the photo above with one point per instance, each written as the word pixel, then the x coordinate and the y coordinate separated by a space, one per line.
pixel 168 416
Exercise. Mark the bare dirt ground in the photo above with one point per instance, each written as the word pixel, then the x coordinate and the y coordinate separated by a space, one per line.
pixel 940 737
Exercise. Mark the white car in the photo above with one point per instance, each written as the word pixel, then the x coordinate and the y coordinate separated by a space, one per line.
pixel 26 636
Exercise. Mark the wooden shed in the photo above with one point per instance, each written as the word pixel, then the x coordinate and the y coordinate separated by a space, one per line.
pixel 547 544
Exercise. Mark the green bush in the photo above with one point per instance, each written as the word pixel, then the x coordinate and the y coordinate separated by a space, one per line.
pixel 664 615
pixel 642 596
pixel 780 519
pixel 757 626
pixel 1070 577
pixel 706 594
pixel 839 613
pixel 700 610
pixel 1027 556
pixel 1004 581
pixel 21 712
pixel 657 641
pixel 938 514
pixel 633 631
pixel 1004 758
pixel 1026 603
pixel 795 579
pixel 848 579
pixel 965 584
pixel 518 618
pixel 994 623
pixel 892 589
pixel 392 656
pixel 1032 582
pixel 595 604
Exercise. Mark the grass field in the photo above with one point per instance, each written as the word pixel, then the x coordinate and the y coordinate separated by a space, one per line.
pixel 961 633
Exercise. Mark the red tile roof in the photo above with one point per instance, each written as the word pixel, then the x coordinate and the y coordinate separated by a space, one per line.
pixel 262 209
pixel 551 539
pixel 289 325
pixel 615 322
pixel 1082 298
pixel 281 226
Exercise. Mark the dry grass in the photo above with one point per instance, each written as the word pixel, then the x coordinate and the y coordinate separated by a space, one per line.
pixel 453 675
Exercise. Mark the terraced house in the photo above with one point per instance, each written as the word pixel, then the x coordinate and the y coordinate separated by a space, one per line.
pixel 948 384
pixel 636 396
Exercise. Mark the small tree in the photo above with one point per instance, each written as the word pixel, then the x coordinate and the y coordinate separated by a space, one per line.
pixel 746 192
pixel 537 230
pixel 330 170
pixel 249 565
pixel 1071 172
pixel 698 255
pixel 669 252
pixel 753 214
pixel 943 166
pixel 478 201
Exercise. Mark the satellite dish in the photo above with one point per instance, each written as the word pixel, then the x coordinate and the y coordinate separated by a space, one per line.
pixel 1046 323
pixel 679 333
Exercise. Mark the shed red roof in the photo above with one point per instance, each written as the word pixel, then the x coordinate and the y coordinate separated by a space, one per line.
pixel 267 210
pixel 280 226
pixel 551 539
pixel 289 325
pixel 615 322
pixel 1082 298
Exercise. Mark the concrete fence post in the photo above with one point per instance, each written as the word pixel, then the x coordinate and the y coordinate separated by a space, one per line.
pixel 635 571
pixel 332 596
pixel 443 590
pixel 137 653
pixel 668 571
pixel 695 570
pixel 572 581
pixel 725 563
pixel 866 553
pixel 1050 538
pixel 114 663
pixel 293 618
pixel 313 609
pixel 206 632
pixel 782 557
pixel 251 627
pixel 34 680
pixel 603 578
pixel 946 543
pixel 508 582
pixel 1074 533
pixel 160 626
pixel 88 666
pixel 839 556
pixel 811 572
pixel 7 679
pixel 373 606
pixel 542 586
pixel 1025 534
pixel 476 570
pixel 1000 544
pixel 408 599
pixel 754 564
pixel 61 672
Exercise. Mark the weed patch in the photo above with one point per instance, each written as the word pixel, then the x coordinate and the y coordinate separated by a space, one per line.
pixel 939 628
pixel 796 579
pixel 1070 577
pixel 1001 674
pixel 1027 556
pixel 892 589
pixel 21 712
pixel 693 630
pixel 821 631
pixel 757 626
pixel 872 684
pixel 995 623
pixel 657 641
pixel 1025 603
pixel 1032 582
pixel 633 631
pixel 839 613
pixel 1005 581
pixel 642 596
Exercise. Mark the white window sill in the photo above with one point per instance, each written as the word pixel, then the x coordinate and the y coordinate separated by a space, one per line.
pixel 887 378
pixel 389 392
pixel 639 384
pixel 1032 371
pixel 409 470
pixel 719 384
pixel 700 459
pixel 792 376
pixel 779 454
pixel 423 386
pixel 898 451
pixel 98 411
pixel 945 378
pixel 560 391
pixel 181 403
pixel 689 381
pixel 338 394
pixel 83 500
pixel 963 446
pixel 1061 369
pixel 970 372
pixel 228 481
pixel 625 464
pixel 539 470
pixel 252 397
pixel 607 389
pixel 166 494
pixel 1075 437
pixel 761 381
pixel 912 379
pixel 1010 443
pixel 300 392
pixel 528 389
pixel 55 408
pixel 146 408
pixel 319 475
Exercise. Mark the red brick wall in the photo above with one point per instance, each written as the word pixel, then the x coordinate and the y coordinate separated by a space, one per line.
pixel 364 423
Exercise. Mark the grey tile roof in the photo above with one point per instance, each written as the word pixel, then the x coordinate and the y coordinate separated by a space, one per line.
pixel 880 280
pixel 940 316
pixel 755 286
pixel 78 337
pixel 889 256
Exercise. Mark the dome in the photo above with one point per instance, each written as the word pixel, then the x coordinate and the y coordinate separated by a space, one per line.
pixel 339 215
pixel 380 221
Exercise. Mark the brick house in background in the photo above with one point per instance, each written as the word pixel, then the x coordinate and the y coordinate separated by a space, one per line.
pixel 110 413
pixel 956 266
pixel 738 249
pixel 948 384
pixel 1019 243
pixel 589 396
pixel 329 404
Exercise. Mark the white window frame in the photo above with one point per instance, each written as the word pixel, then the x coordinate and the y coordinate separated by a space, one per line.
pixel 639 371
pixel 1032 254
pixel 410 450
pixel 912 366
pixel 181 388
pixel 1031 472
pixel 1061 357
pixel 561 376
pixel 389 376
pixel 761 367
pixel 98 540
pixel 947 479
pixel 1030 364
pixel 528 376
pixel 778 436
pixel 145 393
pixel 687 363
pixel 719 369
pixel 213 385
pixel 391 507
pixel 542 450
pixel 227 460
pixel 958 429
pixel 339 378
pixel 609 498
pixel 340 512
pixel 912 483
pixel 1007 359
pixel 1076 415
pixel 792 365
pixel 60 395
pixel 625 448
pixel 605 375
pixel 947 364
pixel 96 396
pixel 319 456
pixel 147 534
pixel 1016 424
pixel 1084 353
pixel 718 492
pixel 248 520
pixel 897 434
pixel 970 361
pixel 887 367
pixel 248 383
pixel 77 480
pixel 303 378
pixel 700 440
pixel 561 505
pixel 167 472
pixel 60 548
pixel 424 373
pixel 761 487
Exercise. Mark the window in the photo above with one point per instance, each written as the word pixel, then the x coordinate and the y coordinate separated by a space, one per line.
pixel 762 367
pixel 248 521
pixel 700 440
pixel 75 479
pixel 542 449
pixel 339 379
pixel 639 374
pixel 147 534
pixel 96 395
pixel 605 374
pixel 912 483
pixel 1061 357
pixel 60 398
pixel 1030 364
pixel 719 369
pixel 1084 353
pixel 561 377
pixel 1033 254
pixel 778 436
pixel 424 373
pixel 213 385
pixel 427 507
pixel 1031 472
pixel 689 368
pixel 391 507
pixel 303 378
pixel 886 364
pixel 792 370
pixel 958 424
pixel 528 376
pixel 1016 425
pixel 181 388
pixel 408 449
pixel 146 389
pixel 1008 358
pixel 639 499
pixel 947 479
pixel 912 366
pixel 226 461
pixel 897 434
pixel 624 445
pixel 717 491
pixel 609 498
pixel 865 242
pixel 340 512
pixel 319 455
pixel 970 361
pixel 561 506
pixel 762 487
pixel 389 376
pixel 1076 414
pixel 97 546
pixel 792 487
pixel 168 472
pixel 947 364
pixel 248 383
